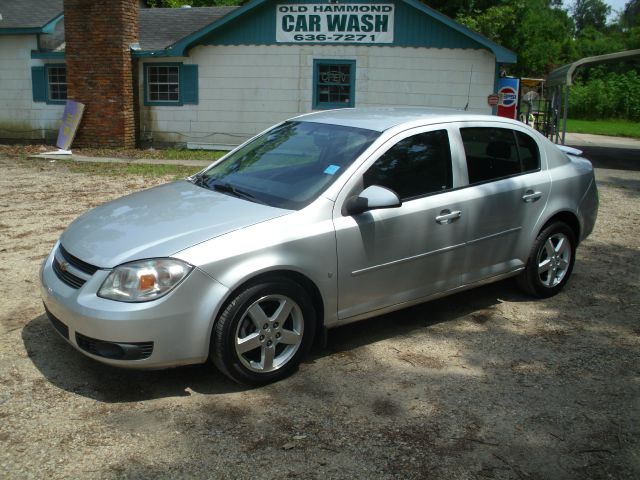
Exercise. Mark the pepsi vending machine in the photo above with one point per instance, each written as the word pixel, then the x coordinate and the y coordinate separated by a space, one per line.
pixel 508 89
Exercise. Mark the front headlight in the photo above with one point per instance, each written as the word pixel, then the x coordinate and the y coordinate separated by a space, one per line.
pixel 144 280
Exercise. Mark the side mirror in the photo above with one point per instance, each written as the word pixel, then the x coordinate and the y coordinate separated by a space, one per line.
pixel 372 198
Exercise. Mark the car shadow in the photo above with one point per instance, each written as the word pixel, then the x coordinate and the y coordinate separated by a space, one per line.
pixel 71 371
pixel 631 187
pixel 615 158
pixel 405 321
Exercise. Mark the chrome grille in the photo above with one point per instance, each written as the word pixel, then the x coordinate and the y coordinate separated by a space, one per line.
pixel 71 270
pixel 66 276
pixel 76 262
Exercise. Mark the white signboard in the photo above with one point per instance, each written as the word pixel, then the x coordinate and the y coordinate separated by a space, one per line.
pixel 335 23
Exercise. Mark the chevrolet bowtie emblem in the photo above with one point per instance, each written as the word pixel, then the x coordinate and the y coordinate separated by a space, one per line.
pixel 64 266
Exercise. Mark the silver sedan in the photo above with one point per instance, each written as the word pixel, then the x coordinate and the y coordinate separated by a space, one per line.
pixel 322 220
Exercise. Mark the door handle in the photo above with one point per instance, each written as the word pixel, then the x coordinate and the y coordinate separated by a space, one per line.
pixel 447 216
pixel 531 196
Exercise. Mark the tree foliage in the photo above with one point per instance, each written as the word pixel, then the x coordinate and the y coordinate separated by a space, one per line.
pixel 590 13
pixel 630 14
pixel 537 30
pixel 612 95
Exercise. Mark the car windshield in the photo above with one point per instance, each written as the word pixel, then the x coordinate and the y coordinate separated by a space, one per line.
pixel 290 165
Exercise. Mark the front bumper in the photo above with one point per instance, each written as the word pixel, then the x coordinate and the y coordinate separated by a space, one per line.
pixel 170 331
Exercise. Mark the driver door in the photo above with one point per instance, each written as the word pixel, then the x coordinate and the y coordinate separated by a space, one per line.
pixel 396 255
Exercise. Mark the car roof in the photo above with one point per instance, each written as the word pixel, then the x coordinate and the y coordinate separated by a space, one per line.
pixel 384 118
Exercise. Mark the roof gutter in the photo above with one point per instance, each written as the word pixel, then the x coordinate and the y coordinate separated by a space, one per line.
pixel 169 52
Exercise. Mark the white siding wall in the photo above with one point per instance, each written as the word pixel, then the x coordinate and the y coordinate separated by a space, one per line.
pixel 20 117
pixel 244 89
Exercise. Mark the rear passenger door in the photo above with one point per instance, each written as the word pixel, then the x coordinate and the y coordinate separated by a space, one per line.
pixel 507 191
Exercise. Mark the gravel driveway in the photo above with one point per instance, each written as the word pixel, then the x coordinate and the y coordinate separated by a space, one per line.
pixel 484 384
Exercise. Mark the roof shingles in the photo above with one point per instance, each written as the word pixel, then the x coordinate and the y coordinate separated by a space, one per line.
pixel 31 14
pixel 159 27
pixel 162 27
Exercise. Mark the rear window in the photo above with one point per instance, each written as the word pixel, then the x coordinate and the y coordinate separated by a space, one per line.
pixel 529 153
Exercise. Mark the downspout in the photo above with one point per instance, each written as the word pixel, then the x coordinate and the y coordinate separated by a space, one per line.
pixel 496 77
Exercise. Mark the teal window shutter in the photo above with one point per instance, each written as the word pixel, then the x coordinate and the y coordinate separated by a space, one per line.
pixel 39 84
pixel 189 83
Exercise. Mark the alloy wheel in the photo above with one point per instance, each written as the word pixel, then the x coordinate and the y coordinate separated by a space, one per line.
pixel 554 259
pixel 269 333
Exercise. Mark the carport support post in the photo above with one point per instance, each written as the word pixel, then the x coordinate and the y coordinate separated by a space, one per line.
pixel 556 104
pixel 567 90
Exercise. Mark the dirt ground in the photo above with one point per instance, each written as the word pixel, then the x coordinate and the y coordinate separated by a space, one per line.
pixel 485 384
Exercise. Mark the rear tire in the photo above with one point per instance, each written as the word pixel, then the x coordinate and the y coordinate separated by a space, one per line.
pixel 550 262
pixel 264 332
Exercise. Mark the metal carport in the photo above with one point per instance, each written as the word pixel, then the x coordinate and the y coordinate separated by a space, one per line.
pixel 559 82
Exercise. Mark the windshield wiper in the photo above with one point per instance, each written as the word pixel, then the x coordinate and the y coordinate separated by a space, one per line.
pixel 227 188
pixel 201 181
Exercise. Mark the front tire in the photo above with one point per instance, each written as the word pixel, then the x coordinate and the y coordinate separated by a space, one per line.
pixel 264 332
pixel 550 262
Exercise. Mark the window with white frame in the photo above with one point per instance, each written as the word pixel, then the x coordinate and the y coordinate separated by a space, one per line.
pixel 57 82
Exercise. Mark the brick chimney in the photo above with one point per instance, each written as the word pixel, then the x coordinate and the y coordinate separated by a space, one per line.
pixel 100 71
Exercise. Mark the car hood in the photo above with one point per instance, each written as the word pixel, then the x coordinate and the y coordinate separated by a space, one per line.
pixel 159 222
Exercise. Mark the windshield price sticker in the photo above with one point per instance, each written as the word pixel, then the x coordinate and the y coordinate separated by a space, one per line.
pixel 333 23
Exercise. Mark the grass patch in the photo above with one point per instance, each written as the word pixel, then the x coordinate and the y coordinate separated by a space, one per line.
pixel 160 154
pixel 124 153
pixel 614 128
pixel 120 169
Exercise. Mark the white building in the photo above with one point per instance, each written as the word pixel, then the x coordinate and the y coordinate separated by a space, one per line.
pixel 215 76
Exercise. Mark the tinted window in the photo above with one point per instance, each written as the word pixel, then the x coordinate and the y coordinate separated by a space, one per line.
pixel 529 153
pixel 491 153
pixel 415 166
pixel 494 153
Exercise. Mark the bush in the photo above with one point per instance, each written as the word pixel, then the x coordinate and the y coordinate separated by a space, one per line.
pixel 614 95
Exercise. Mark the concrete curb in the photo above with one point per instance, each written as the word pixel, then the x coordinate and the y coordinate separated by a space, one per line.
pixel 586 139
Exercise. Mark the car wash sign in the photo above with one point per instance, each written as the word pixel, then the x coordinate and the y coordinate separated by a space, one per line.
pixel 335 23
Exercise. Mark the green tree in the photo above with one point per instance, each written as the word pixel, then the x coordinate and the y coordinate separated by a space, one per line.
pixel 610 95
pixel 543 39
pixel 495 22
pixel 455 8
pixel 539 31
pixel 590 42
pixel 590 13
pixel 630 14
